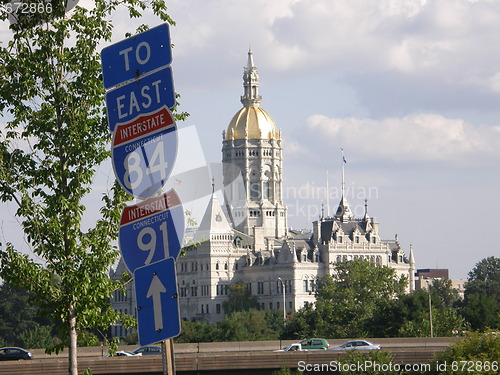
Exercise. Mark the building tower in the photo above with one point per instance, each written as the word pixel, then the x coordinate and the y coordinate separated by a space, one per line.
pixel 252 147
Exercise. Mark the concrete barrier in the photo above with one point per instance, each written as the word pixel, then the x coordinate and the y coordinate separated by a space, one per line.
pixel 261 363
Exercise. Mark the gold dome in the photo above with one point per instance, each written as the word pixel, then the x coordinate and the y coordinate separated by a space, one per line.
pixel 252 122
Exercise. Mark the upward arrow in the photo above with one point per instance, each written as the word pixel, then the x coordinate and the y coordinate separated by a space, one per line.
pixel 155 290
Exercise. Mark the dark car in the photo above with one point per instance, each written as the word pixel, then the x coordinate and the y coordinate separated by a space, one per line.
pixel 148 350
pixel 314 344
pixel 14 354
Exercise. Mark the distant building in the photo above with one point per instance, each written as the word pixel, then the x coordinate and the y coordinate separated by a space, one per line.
pixel 246 238
pixel 425 277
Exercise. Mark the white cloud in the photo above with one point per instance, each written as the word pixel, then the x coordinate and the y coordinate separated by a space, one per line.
pixel 495 82
pixel 425 42
pixel 413 138
pixel 438 40
pixel 295 149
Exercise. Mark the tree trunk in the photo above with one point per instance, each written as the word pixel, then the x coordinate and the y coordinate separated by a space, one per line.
pixel 73 362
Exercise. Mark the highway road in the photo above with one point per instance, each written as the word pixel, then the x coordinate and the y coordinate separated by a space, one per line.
pixel 251 346
pixel 225 358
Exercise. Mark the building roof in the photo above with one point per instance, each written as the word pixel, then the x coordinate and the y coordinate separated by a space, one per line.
pixel 214 221
pixel 329 226
pixel 252 123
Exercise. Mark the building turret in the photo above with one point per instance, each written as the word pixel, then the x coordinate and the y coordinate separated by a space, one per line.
pixel 253 144
pixel 251 95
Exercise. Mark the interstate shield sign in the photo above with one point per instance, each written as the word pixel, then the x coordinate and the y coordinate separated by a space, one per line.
pixel 151 230
pixel 144 151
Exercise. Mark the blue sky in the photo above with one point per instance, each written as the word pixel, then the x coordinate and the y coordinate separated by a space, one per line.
pixel 410 89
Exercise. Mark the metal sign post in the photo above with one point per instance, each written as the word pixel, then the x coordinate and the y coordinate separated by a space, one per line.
pixel 167 347
pixel 164 357
pixel 170 356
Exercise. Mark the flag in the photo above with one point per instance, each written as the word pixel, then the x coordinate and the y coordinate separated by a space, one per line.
pixel 343 159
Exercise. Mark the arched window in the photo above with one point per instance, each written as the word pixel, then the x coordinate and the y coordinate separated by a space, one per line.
pixel 238 242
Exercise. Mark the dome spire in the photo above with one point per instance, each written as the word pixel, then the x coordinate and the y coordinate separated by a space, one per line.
pixel 250 64
pixel 251 95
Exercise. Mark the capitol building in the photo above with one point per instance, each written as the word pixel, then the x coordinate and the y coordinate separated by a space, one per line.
pixel 246 238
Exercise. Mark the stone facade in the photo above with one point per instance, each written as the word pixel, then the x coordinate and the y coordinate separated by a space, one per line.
pixel 246 239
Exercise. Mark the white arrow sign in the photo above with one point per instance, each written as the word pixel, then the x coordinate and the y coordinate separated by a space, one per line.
pixel 157 303
pixel 155 290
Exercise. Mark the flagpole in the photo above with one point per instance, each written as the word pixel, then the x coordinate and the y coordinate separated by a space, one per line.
pixel 327 195
pixel 343 180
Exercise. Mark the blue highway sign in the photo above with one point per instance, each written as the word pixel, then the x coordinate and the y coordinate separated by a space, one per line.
pixel 151 230
pixel 147 94
pixel 135 56
pixel 157 299
pixel 144 152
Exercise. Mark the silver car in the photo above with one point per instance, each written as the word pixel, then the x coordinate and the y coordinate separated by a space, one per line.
pixel 357 345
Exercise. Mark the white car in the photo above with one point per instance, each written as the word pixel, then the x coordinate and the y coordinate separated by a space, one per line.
pixel 123 353
pixel 357 345
pixel 292 348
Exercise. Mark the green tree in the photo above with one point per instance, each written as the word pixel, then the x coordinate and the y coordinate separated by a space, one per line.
pixel 302 323
pixel 443 294
pixel 347 301
pixel 240 299
pixel 36 338
pixel 285 370
pixel 239 326
pixel 56 134
pixel 481 311
pixel 477 353
pixel 13 324
pixel 274 320
pixel 248 325
pixel 408 315
pixel 375 362
pixel 481 305
pixel 445 322
pixel 199 331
